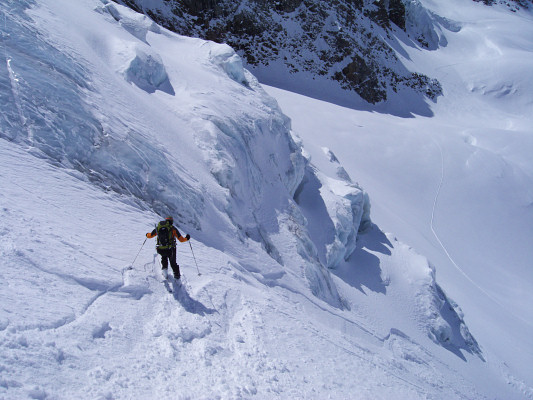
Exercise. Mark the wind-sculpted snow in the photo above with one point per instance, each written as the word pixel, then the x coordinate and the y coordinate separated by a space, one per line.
pixel 143 67
pixel 348 207
pixel 230 62
pixel 336 209
pixel 257 161
pixel 440 316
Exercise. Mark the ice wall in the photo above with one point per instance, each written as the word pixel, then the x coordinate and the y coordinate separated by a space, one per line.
pixel 253 156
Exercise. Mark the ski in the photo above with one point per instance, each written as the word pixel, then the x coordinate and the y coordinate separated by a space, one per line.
pixel 166 283
pixel 171 283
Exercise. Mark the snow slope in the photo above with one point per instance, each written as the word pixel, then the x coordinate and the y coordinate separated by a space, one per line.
pixel 109 123
pixel 76 323
pixel 458 186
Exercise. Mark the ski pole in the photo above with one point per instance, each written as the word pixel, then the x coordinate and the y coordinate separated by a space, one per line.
pixel 194 259
pixel 131 266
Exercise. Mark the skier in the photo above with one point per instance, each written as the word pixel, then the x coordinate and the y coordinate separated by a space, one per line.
pixel 166 234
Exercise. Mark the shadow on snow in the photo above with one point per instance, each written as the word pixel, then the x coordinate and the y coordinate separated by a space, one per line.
pixel 363 267
pixel 179 292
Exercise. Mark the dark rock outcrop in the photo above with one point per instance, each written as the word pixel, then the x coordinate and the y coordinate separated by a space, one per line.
pixel 343 42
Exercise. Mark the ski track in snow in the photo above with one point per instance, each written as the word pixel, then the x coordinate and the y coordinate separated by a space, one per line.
pixel 432 224
pixel 433 230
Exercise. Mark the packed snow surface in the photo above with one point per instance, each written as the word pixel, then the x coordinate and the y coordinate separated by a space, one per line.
pixel 110 123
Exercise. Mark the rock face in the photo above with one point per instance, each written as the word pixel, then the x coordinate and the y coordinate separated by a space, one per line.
pixel 344 44
pixel 513 5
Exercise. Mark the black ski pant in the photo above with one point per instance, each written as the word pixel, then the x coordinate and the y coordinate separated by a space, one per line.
pixel 169 254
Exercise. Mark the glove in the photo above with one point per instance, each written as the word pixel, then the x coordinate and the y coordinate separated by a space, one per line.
pixel 147 235
pixel 187 236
